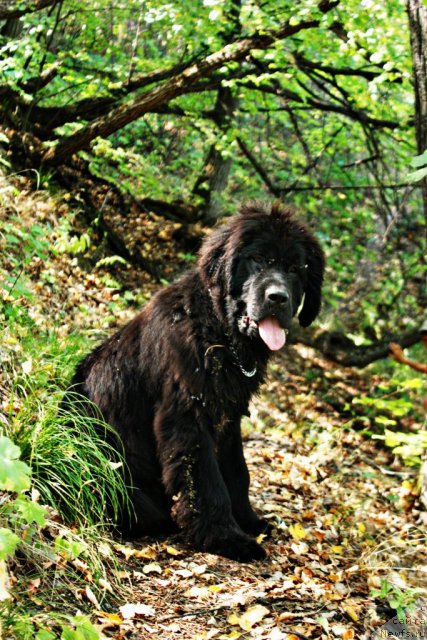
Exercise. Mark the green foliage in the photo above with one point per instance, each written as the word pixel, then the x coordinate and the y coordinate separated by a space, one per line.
pixel 383 414
pixel 68 242
pixel 295 106
pixel 410 446
pixel 74 469
pixel 14 474
pixel 401 601
pixel 420 163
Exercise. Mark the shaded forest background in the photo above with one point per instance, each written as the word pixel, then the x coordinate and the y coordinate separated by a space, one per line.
pixel 187 110
pixel 127 130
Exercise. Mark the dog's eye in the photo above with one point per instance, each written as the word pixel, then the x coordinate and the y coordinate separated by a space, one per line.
pixel 258 259
pixel 297 268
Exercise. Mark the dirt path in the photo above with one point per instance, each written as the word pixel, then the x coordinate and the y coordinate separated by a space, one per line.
pixel 341 526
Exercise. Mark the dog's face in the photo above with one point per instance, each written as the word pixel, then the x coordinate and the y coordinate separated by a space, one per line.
pixel 267 287
pixel 267 267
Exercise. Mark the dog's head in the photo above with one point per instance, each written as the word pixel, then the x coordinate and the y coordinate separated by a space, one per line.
pixel 267 267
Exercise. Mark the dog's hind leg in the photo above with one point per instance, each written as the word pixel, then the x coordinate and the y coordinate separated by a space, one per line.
pixel 148 514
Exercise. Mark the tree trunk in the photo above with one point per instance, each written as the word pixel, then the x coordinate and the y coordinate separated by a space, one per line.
pixel 417 14
pixel 214 176
pixel 213 179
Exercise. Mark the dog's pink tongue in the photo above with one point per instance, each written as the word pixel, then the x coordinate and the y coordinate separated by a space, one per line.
pixel 272 333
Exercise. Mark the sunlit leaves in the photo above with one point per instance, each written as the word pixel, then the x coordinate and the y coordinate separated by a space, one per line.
pixel 14 474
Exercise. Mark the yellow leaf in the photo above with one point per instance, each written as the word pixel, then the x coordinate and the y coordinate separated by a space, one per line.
pixel 215 588
pixel 337 549
pixel 232 634
pixel 147 552
pixel 233 619
pixel 261 538
pixel 112 618
pixel 351 612
pixel 297 531
pixel 172 551
pixel 361 527
pixel 125 550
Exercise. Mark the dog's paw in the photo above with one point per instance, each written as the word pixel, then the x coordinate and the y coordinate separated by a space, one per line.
pixel 236 546
pixel 256 526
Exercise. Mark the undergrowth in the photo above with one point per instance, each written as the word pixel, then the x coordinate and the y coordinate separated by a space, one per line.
pixel 57 473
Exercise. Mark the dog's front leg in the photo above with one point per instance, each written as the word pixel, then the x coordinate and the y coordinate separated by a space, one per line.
pixel 236 476
pixel 192 477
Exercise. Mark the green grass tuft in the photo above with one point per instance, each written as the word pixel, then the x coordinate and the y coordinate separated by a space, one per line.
pixel 74 468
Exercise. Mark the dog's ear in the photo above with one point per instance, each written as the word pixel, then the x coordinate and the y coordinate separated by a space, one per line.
pixel 211 255
pixel 313 289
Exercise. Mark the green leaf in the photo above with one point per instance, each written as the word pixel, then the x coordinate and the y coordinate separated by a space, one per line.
pixel 70 548
pixel 8 543
pixel 414 383
pixel 14 474
pixel 43 634
pixel 31 511
pixel 84 630
pixel 419 161
pixel 416 176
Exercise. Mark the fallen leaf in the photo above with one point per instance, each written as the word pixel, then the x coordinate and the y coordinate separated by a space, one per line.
pixel 250 617
pixel 299 548
pixel 197 592
pixel 91 597
pixel 148 553
pixel 351 612
pixel 105 585
pixel 130 611
pixel 215 588
pixel 297 531
pixel 337 549
pixel 184 573
pixel 172 551
pixel 112 618
pixel 27 366
pixel 4 593
pixel 152 567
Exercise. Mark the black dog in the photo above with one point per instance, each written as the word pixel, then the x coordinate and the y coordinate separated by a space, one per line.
pixel 175 381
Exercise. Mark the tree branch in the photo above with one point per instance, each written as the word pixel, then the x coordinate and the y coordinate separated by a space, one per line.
pixel 172 88
pixel 338 347
pixel 8 12
pixel 258 167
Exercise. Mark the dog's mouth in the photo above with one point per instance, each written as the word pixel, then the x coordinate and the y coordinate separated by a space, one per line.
pixel 269 330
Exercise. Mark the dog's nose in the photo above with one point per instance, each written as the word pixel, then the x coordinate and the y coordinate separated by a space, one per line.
pixel 276 295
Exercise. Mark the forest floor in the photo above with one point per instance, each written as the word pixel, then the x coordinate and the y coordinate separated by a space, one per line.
pixel 348 548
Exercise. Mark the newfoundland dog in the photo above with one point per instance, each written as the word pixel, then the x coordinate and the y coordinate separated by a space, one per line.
pixel 176 380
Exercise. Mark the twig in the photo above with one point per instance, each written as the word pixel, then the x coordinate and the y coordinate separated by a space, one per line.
pixel 387 472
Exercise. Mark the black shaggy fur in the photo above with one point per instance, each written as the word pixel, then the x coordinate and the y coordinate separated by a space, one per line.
pixel 176 380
